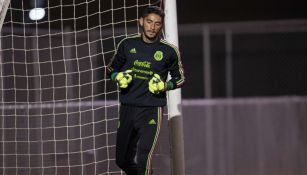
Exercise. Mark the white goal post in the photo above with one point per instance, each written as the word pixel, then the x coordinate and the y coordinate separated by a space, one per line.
pixel 174 97
pixel 4 4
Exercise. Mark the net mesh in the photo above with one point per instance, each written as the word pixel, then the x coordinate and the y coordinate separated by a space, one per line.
pixel 58 109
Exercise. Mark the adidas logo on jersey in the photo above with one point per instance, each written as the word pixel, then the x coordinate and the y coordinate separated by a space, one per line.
pixel 133 50
pixel 152 122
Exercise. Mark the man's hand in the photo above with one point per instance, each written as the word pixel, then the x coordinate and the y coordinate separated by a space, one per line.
pixel 124 78
pixel 156 85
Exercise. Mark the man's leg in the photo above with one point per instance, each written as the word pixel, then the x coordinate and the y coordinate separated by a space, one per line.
pixel 126 141
pixel 149 132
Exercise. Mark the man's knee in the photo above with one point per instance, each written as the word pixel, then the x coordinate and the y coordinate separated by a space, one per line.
pixel 127 167
pixel 120 163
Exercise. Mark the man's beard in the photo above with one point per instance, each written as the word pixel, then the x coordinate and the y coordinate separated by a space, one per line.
pixel 154 38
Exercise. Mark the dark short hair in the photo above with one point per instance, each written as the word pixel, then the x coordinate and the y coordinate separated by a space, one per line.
pixel 153 9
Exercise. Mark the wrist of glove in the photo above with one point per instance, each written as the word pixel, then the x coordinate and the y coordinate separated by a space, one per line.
pixel 122 78
pixel 156 85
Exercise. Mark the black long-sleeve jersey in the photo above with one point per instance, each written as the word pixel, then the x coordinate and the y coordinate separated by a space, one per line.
pixel 145 59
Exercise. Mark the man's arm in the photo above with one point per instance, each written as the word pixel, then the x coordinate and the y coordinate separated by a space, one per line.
pixel 117 62
pixel 114 68
pixel 156 85
pixel 176 71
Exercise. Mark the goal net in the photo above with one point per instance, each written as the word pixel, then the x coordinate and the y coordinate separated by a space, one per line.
pixel 58 109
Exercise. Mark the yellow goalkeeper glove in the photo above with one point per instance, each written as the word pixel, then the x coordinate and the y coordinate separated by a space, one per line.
pixel 156 85
pixel 124 78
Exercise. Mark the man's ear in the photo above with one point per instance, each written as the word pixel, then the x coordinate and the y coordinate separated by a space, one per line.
pixel 141 21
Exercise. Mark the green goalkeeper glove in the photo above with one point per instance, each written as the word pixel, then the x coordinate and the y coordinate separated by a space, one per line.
pixel 156 85
pixel 123 78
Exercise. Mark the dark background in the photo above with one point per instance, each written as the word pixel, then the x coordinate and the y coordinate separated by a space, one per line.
pixel 239 10
pixel 270 64
pixel 199 11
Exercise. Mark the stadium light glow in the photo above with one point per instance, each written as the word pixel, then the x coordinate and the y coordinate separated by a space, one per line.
pixel 37 14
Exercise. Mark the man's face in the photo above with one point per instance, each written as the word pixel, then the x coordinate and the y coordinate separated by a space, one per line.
pixel 152 25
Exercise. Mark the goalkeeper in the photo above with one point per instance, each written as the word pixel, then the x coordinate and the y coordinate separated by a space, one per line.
pixel 140 67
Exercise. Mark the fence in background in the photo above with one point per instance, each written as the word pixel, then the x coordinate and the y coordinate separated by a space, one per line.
pixel 243 59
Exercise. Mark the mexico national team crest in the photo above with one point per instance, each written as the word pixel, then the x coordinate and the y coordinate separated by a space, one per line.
pixel 158 55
